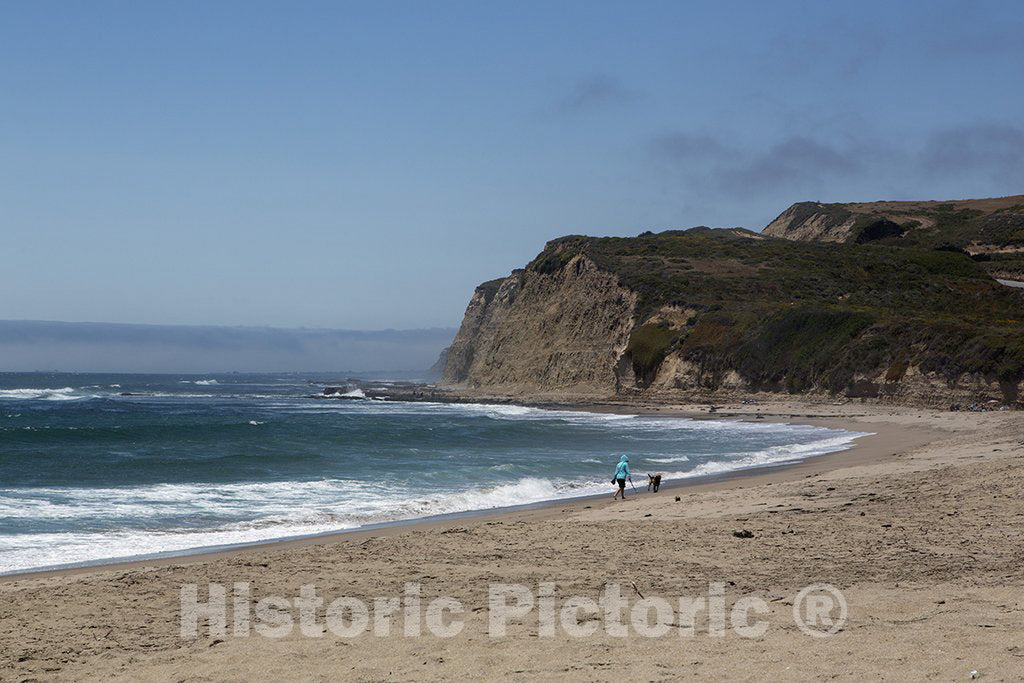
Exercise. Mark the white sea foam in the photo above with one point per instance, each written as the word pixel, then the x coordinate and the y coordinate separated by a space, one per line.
pixel 278 510
pixel 776 455
pixel 679 458
pixel 506 411
pixel 171 394
pixel 63 394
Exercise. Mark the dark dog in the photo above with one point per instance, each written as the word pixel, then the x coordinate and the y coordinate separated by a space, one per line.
pixel 653 480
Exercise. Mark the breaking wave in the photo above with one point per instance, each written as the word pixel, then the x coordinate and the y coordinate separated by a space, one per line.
pixel 63 394
pixel 168 469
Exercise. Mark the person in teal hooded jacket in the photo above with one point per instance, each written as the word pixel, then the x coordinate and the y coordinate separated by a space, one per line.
pixel 621 475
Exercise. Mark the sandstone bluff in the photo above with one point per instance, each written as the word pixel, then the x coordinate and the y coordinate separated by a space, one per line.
pixel 828 302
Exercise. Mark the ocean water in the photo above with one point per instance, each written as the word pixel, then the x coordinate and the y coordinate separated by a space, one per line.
pixel 102 467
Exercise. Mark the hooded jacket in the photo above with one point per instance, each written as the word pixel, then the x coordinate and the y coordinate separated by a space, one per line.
pixel 622 469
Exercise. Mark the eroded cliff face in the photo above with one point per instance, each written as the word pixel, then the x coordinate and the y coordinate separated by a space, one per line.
pixel 566 334
pixel 681 379
pixel 811 221
pixel 535 331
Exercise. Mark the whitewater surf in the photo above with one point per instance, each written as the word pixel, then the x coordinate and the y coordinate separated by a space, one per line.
pixel 103 467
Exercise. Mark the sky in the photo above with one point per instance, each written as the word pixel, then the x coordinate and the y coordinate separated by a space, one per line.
pixel 365 165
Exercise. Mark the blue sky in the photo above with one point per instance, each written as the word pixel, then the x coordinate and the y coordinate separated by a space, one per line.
pixel 365 165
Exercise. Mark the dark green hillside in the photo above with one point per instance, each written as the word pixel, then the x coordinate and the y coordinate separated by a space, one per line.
pixel 796 316
pixel 992 230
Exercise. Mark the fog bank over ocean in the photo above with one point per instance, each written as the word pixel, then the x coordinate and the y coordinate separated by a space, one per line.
pixel 28 345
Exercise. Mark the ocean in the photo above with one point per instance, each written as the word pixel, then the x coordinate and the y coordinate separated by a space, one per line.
pixel 96 467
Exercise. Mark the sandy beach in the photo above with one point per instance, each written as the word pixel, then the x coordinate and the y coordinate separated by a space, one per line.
pixel 919 527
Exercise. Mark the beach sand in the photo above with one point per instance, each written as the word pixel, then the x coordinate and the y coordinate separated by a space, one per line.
pixel 919 526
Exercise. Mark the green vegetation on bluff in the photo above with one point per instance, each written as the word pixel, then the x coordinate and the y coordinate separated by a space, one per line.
pixel 991 229
pixel 647 347
pixel 796 316
pixel 997 222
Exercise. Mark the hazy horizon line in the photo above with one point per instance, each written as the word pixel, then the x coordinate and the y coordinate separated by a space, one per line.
pixel 233 327
pixel 28 345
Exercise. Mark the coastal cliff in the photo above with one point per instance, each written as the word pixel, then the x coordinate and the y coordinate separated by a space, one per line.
pixel 708 313
pixel 543 329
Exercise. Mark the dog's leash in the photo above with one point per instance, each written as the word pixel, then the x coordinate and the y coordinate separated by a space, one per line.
pixel 632 484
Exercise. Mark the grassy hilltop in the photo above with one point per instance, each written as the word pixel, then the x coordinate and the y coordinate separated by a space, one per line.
pixel 797 316
pixel 991 230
